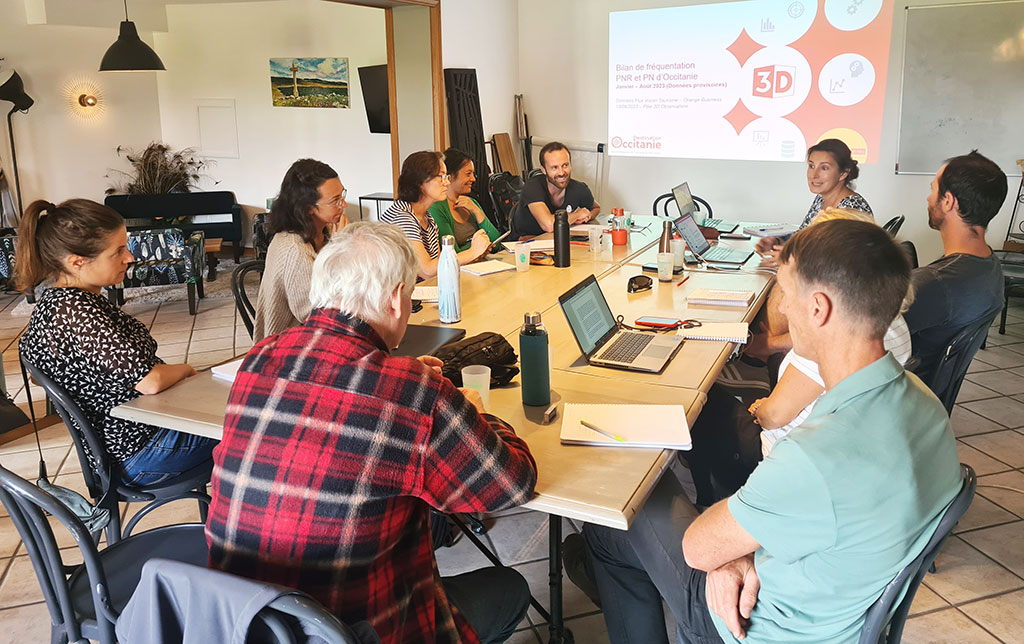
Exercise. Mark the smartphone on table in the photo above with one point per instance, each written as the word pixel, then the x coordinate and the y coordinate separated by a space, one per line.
pixel 658 322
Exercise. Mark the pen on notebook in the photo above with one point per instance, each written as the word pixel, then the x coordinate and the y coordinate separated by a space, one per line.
pixel 680 282
pixel 602 432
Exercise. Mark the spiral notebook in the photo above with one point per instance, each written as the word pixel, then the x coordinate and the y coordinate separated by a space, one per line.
pixel 720 331
pixel 652 426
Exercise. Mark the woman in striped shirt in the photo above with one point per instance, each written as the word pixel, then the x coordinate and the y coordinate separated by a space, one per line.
pixel 422 182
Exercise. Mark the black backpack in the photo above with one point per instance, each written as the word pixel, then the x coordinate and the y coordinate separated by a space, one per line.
pixel 505 189
pixel 488 349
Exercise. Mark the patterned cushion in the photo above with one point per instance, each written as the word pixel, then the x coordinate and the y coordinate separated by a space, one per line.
pixel 7 245
pixel 165 256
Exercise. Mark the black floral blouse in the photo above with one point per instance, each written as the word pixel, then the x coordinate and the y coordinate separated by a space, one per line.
pixel 98 353
pixel 853 202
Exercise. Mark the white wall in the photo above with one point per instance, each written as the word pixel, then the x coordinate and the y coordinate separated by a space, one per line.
pixel 222 51
pixel 563 73
pixel 484 35
pixel 60 156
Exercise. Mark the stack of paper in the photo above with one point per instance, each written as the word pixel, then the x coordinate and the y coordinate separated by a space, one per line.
pixel 545 245
pixel 425 293
pixel 487 268
pixel 654 426
pixel 712 297
pixel 227 371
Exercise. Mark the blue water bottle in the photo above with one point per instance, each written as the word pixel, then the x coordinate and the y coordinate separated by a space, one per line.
pixel 533 357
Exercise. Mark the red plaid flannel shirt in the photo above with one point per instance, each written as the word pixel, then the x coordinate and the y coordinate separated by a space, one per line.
pixel 333 452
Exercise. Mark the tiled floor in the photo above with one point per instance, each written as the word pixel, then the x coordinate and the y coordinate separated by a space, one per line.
pixel 976 595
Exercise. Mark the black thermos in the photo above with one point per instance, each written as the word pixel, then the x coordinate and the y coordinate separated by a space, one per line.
pixel 561 239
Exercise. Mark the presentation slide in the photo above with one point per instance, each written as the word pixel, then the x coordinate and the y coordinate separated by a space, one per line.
pixel 758 80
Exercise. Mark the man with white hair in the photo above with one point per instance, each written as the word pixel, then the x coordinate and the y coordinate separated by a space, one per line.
pixel 334 451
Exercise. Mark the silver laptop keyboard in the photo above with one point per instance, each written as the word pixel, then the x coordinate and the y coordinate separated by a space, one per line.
pixel 719 253
pixel 626 347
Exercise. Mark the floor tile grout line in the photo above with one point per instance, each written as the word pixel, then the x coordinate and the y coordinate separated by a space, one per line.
pixel 1000 524
pixel 976 623
pixel 977 600
pixel 992 559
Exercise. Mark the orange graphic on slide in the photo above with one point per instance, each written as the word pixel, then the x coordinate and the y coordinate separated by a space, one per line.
pixel 820 44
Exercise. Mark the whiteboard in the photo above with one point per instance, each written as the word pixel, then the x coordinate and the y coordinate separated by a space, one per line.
pixel 963 85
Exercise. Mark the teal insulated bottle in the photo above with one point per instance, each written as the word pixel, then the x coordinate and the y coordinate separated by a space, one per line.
pixel 533 357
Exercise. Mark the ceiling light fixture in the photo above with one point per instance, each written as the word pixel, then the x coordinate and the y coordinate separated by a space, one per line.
pixel 129 53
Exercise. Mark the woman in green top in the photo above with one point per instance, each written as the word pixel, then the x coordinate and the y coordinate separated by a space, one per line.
pixel 460 215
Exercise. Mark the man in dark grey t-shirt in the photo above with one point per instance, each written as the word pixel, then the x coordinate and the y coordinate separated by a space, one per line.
pixel 554 190
pixel 965 285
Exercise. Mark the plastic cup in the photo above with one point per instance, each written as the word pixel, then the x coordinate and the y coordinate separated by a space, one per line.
pixel 679 252
pixel 595 240
pixel 478 376
pixel 522 253
pixel 665 261
pixel 620 237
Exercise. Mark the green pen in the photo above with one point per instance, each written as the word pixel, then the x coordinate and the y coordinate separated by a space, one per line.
pixel 602 432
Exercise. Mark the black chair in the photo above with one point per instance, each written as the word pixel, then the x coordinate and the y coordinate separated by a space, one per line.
pixel 879 627
pixel 662 202
pixel 893 225
pixel 260 237
pixel 85 600
pixel 911 251
pixel 950 372
pixel 103 479
pixel 290 617
pixel 245 307
pixel 1013 275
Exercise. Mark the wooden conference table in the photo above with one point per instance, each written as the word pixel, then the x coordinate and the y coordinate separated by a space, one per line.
pixel 601 485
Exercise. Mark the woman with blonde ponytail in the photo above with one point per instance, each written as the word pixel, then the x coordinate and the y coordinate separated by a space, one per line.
pixel 98 353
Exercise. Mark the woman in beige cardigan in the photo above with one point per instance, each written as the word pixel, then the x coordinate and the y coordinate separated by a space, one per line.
pixel 310 206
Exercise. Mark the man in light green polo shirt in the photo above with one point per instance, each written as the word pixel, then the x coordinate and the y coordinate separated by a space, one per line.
pixel 840 505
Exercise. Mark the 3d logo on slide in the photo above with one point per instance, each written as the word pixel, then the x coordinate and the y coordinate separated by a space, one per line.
pixel 773 81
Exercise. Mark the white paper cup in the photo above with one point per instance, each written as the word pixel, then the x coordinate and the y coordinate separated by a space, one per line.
pixel 665 266
pixel 522 253
pixel 478 376
pixel 678 252
pixel 595 240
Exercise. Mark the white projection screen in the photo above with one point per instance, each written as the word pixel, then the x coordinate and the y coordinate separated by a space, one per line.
pixel 756 80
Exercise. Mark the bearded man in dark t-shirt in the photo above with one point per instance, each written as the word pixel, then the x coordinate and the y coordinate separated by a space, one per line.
pixel 965 285
pixel 554 190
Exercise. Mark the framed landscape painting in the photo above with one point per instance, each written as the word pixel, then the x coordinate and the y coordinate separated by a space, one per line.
pixel 309 82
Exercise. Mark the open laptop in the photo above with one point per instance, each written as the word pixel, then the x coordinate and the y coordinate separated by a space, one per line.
pixel 602 342
pixel 424 340
pixel 685 203
pixel 703 249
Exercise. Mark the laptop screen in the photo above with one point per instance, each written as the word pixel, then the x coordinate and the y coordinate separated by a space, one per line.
pixel 684 200
pixel 689 231
pixel 588 314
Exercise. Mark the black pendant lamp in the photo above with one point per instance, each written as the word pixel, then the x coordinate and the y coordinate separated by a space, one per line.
pixel 129 53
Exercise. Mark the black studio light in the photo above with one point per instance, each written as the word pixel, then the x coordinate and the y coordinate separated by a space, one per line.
pixel 12 89
pixel 129 53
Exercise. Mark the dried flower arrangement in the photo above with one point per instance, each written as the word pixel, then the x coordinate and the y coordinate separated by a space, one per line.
pixel 159 170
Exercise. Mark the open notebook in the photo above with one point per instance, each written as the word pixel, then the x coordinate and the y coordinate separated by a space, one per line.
pixel 662 426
